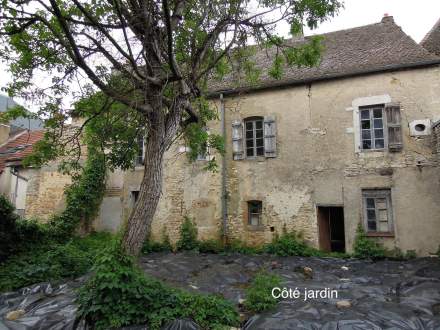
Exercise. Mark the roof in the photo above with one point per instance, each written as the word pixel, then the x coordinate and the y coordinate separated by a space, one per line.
pixel 367 49
pixel 18 147
pixel 431 42
pixel 19 123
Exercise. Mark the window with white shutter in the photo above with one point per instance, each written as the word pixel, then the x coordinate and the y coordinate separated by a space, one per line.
pixel 254 136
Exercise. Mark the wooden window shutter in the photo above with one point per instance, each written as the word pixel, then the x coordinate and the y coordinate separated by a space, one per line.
pixel 395 142
pixel 270 133
pixel 237 140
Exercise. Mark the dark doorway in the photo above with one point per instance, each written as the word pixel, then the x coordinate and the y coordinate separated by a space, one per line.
pixel 331 228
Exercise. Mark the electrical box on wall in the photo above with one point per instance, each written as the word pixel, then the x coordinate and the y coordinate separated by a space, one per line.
pixel 420 127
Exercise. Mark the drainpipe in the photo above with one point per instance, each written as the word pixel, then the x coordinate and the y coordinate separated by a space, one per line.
pixel 224 195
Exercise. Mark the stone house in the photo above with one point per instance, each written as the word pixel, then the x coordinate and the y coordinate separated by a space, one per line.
pixel 319 151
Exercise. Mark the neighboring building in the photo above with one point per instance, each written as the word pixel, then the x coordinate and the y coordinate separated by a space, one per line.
pixel 14 178
pixel 431 41
pixel 16 141
pixel 320 151
pixel 18 124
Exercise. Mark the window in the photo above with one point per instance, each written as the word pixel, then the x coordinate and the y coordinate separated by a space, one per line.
pixel 206 154
pixel 380 127
pixel 373 135
pixel 377 210
pixel 254 137
pixel 134 196
pixel 141 149
pixel 254 213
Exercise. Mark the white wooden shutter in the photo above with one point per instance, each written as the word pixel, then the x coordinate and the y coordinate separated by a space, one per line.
pixel 270 136
pixel 237 140
pixel 394 126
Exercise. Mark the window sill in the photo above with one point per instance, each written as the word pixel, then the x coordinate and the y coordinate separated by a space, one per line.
pixel 373 150
pixel 380 234
pixel 256 159
pixel 255 228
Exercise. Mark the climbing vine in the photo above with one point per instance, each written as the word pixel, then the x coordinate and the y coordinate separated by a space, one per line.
pixel 83 196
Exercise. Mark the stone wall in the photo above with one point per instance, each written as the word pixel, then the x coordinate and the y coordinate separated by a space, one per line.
pixel 317 164
pixel 45 193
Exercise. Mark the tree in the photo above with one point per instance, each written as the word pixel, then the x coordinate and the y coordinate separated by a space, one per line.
pixel 143 65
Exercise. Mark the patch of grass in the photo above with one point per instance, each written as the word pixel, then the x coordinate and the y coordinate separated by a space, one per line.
pixel 365 247
pixel 119 294
pixel 259 294
pixel 51 261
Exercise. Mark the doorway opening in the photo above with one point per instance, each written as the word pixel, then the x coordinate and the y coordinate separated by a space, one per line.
pixel 331 228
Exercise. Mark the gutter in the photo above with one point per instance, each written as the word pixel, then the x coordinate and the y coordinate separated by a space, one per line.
pixel 224 194
pixel 296 82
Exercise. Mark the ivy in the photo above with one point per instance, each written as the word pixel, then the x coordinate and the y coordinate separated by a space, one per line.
pixel 83 197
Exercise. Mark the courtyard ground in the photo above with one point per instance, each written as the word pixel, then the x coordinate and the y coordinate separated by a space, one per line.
pixel 370 295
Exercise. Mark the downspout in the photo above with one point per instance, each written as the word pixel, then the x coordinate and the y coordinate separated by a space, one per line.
pixel 224 195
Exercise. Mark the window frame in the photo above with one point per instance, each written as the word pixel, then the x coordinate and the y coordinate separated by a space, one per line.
pixel 207 155
pixel 372 129
pixel 254 138
pixel 140 158
pixel 259 205
pixel 375 194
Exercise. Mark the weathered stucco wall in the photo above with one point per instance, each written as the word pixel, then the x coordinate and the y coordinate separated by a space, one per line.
pixel 316 165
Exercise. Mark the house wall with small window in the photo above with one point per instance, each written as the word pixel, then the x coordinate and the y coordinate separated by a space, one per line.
pixel 291 150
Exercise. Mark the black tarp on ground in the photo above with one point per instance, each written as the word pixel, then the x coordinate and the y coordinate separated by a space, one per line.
pixel 383 295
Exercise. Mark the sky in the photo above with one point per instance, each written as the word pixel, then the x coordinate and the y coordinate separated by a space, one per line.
pixel 415 17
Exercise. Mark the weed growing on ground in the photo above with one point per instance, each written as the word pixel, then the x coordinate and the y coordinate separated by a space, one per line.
pixel 51 262
pixel 259 294
pixel 365 247
pixel 119 294
pixel 188 235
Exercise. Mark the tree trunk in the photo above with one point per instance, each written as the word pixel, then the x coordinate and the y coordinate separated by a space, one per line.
pixel 139 222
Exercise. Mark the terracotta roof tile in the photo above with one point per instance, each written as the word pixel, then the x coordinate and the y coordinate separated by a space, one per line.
pixel 18 147
pixel 371 48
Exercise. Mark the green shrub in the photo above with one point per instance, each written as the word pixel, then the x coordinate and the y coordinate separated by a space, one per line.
pixel 17 235
pixel 410 254
pixel 51 261
pixel 291 244
pixel 8 229
pixel 237 246
pixel 259 295
pixel 119 294
pixel 152 246
pixel 188 235
pixel 210 246
pixel 367 248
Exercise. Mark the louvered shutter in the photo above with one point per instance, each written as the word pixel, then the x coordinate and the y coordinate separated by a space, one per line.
pixel 237 140
pixel 270 133
pixel 395 142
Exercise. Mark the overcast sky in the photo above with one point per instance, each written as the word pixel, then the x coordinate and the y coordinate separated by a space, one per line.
pixel 416 17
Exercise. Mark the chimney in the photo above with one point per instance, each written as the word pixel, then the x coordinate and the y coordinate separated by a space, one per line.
pixel 387 18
